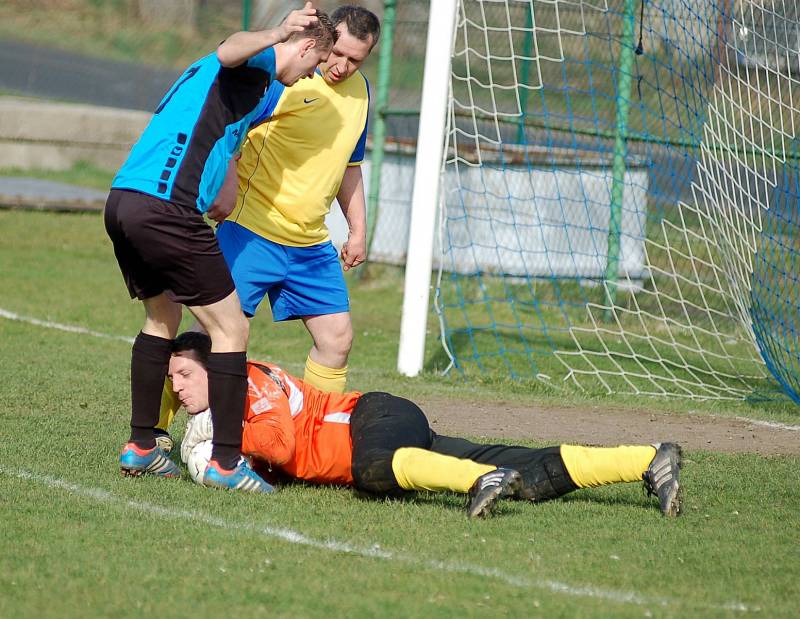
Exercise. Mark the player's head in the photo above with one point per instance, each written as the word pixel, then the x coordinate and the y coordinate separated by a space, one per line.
pixel 358 31
pixel 300 54
pixel 187 370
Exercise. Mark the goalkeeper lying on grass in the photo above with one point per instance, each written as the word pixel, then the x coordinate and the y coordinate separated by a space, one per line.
pixel 382 444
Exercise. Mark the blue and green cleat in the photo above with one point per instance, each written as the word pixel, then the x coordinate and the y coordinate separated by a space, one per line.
pixel 242 478
pixel 135 462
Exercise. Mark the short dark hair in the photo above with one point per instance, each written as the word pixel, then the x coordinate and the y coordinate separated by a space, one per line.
pixel 323 31
pixel 361 23
pixel 195 342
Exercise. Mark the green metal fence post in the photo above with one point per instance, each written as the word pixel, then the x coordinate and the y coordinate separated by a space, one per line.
pixel 246 12
pixel 620 152
pixel 379 122
pixel 527 48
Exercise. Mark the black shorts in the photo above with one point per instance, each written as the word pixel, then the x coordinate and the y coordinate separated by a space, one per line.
pixel 380 424
pixel 165 247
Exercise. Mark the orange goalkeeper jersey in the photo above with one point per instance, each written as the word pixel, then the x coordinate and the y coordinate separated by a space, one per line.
pixel 297 428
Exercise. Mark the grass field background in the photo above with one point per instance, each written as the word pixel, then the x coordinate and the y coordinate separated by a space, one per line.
pixel 79 540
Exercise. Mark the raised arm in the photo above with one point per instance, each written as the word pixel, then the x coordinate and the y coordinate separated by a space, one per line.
pixel 241 46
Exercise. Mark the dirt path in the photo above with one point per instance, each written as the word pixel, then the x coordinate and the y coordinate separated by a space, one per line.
pixel 600 426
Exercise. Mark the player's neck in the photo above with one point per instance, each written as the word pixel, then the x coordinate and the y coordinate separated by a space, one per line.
pixel 283 54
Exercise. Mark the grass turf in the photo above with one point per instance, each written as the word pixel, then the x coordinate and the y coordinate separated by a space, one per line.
pixel 79 540
pixel 61 268
pixel 82 173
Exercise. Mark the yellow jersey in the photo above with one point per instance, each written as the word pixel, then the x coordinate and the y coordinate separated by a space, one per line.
pixel 294 158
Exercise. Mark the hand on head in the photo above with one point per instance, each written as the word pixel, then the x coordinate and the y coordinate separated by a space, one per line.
pixel 298 20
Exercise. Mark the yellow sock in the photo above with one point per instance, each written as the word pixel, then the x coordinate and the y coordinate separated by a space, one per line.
pixel 597 466
pixel 420 469
pixel 169 406
pixel 325 378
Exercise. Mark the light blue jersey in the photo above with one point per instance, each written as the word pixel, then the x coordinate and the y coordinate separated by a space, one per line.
pixel 183 154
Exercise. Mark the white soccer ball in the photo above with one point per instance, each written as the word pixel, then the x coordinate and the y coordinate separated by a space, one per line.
pixel 198 460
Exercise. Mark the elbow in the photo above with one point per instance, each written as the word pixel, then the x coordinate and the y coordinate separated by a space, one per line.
pixel 281 455
pixel 225 57
pixel 262 441
pixel 276 455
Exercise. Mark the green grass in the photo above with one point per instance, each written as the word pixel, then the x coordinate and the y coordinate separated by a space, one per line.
pixel 43 253
pixel 82 173
pixel 78 540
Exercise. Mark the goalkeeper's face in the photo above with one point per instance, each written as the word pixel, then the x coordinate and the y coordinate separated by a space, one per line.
pixel 189 381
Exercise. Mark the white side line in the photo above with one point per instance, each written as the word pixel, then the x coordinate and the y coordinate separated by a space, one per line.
pixel 373 551
pixel 55 325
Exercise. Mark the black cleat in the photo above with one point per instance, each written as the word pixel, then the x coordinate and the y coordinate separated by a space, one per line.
pixel 661 478
pixel 490 487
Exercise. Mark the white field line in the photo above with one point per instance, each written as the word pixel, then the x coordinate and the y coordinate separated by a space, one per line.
pixel 84 331
pixel 293 366
pixel 373 551
pixel 68 328
pixel 776 425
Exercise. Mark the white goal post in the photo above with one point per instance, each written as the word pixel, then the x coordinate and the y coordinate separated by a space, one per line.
pixel 427 177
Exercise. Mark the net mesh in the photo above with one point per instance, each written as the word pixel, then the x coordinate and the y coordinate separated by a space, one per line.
pixel 623 222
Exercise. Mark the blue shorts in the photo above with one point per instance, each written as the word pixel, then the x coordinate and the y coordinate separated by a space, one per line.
pixel 300 281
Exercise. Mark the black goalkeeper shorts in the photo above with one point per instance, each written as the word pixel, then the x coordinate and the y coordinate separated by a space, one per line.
pixel 380 424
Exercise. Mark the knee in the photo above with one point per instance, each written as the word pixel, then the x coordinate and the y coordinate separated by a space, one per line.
pixel 343 339
pixel 372 473
pixel 244 329
pixel 546 477
pixel 337 341
pixel 175 316
pixel 163 319
pixel 241 331
pixel 230 336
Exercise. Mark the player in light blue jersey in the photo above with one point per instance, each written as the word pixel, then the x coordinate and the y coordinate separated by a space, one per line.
pixel 202 120
pixel 169 256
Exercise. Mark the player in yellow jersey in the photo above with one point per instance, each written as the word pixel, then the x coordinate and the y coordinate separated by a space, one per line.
pixel 306 151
